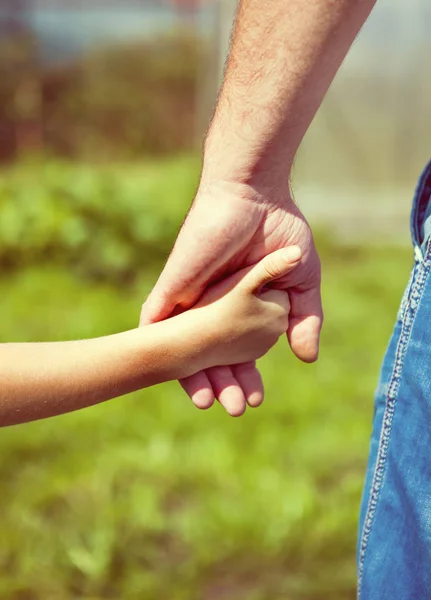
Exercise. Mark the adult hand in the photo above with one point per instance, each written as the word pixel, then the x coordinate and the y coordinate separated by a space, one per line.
pixel 231 226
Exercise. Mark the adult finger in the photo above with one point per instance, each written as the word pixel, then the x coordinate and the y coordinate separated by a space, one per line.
pixel 248 377
pixel 227 390
pixel 305 323
pixel 199 389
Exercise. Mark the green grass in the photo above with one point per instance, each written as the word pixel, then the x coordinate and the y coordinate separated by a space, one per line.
pixel 147 498
pixel 105 222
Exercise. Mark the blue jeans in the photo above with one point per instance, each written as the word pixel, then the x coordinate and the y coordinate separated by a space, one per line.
pixel 394 547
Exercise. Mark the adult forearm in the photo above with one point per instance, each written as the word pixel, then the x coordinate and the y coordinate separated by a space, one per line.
pixel 284 55
pixel 40 380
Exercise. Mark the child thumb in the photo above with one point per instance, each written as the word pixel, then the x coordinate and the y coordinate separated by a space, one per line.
pixel 272 267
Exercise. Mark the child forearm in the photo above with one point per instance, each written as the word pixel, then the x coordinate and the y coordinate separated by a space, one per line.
pixel 235 322
pixel 40 380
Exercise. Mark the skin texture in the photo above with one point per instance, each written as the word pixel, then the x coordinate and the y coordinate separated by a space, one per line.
pixel 237 320
pixel 283 58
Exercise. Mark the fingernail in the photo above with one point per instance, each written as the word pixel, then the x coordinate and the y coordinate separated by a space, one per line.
pixel 292 254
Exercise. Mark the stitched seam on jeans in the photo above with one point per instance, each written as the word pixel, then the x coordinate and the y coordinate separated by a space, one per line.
pixel 407 293
pixel 393 388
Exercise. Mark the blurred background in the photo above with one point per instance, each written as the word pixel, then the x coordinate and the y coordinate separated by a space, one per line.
pixel 103 106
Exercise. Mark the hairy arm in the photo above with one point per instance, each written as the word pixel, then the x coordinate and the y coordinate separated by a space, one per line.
pixel 284 55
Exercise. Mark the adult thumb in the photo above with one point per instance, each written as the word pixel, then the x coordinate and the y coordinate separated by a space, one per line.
pixel 272 267
pixel 156 307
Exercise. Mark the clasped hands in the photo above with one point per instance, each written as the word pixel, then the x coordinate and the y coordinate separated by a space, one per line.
pixel 229 228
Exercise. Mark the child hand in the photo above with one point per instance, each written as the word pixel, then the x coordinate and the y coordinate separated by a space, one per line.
pixel 243 319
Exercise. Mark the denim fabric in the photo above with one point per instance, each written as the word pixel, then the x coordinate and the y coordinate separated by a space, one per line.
pixel 394 547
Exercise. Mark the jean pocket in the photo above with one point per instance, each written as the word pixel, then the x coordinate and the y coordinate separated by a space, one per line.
pixel 420 220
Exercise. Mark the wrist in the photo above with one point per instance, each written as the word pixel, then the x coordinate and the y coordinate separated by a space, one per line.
pixel 255 192
pixel 244 172
pixel 178 345
pixel 234 151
